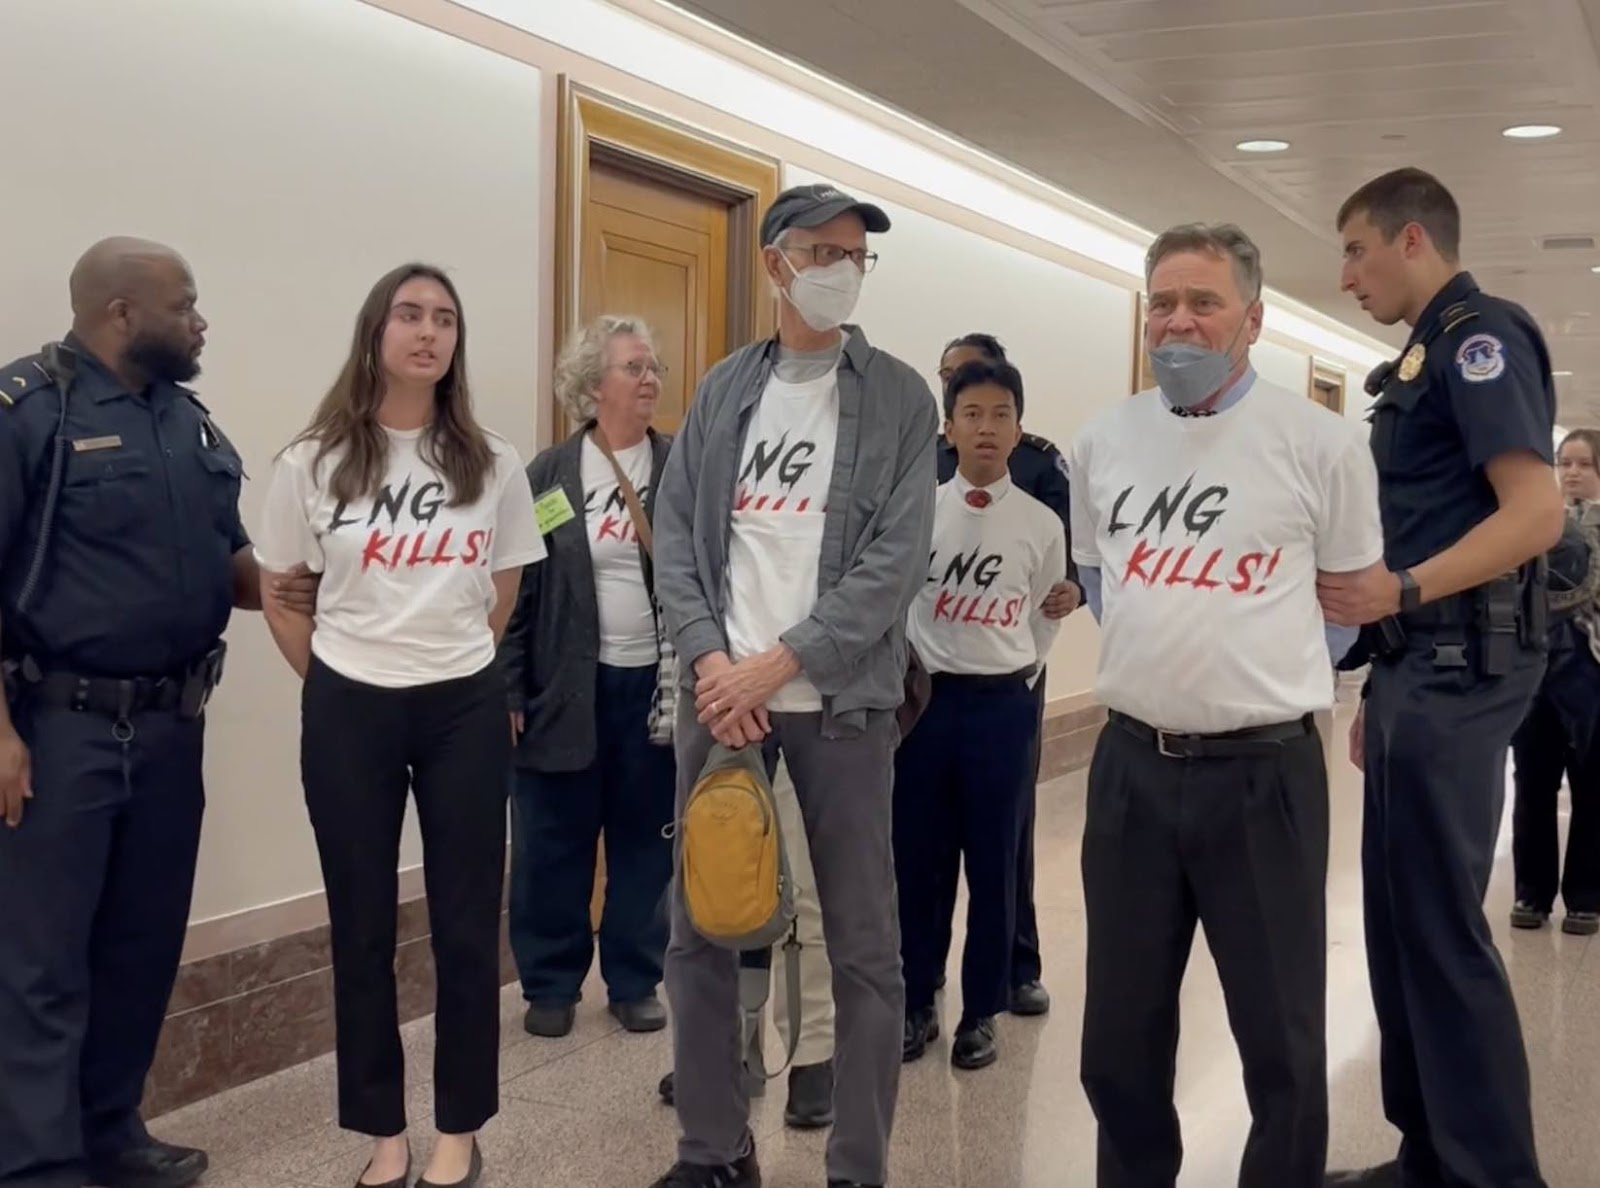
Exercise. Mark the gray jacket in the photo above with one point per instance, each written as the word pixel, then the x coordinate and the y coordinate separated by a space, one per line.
pixel 551 648
pixel 875 538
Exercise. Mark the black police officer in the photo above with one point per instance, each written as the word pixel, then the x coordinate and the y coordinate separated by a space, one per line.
pixel 121 557
pixel 1038 468
pixel 1462 433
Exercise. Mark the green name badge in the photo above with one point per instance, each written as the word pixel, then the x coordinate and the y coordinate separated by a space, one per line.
pixel 552 509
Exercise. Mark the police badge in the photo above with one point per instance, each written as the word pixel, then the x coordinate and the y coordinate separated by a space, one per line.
pixel 1411 365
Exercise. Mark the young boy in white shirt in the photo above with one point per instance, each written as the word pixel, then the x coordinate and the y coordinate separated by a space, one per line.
pixel 961 774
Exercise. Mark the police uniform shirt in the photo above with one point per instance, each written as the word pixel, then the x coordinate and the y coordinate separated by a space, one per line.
pixel 136 576
pixel 1208 533
pixel 1472 384
pixel 981 610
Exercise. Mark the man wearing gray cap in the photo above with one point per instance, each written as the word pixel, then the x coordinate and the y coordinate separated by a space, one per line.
pixel 792 530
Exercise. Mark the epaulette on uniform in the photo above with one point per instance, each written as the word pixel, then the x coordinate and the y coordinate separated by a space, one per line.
pixel 1043 444
pixel 20 379
pixel 1457 315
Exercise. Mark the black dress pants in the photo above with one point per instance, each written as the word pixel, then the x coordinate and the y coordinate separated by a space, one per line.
pixel 361 749
pixel 1239 844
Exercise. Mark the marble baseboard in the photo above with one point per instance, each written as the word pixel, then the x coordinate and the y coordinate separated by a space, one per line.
pixel 241 1015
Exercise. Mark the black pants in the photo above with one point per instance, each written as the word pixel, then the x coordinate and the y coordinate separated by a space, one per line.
pixel 94 902
pixel 556 822
pixel 959 792
pixel 1026 963
pixel 1239 844
pixel 1558 737
pixel 1455 1075
pixel 361 747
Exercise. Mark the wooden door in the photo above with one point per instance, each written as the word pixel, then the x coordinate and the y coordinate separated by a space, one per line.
pixel 659 252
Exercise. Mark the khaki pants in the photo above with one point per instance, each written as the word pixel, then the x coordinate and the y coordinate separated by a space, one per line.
pixel 816 975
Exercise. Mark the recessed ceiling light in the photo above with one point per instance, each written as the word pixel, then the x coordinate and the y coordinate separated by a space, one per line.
pixel 1561 374
pixel 1531 131
pixel 1594 268
pixel 1262 146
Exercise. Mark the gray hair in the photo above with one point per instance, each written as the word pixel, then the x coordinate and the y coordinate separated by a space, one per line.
pixel 582 364
pixel 1216 239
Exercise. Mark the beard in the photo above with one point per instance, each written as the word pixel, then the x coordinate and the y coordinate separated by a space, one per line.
pixel 162 359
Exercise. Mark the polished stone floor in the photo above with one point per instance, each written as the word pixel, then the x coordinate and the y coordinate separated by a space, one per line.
pixel 582 1112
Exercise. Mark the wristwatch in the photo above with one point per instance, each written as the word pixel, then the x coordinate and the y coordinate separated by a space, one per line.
pixel 1410 592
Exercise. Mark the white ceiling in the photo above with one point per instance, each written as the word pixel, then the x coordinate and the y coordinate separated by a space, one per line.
pixel 1136 105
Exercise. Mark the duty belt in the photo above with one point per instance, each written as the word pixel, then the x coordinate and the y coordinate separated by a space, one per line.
pixel 1252 741
pixel 184 693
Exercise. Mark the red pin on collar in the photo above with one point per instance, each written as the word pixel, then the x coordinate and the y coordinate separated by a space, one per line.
pixel 977 498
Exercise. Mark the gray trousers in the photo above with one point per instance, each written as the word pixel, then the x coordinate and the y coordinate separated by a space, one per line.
pixel 844 788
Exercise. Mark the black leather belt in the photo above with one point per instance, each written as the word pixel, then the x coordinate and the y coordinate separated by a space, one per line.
pixel 996 682
pixel 1231 744
pixel 184 693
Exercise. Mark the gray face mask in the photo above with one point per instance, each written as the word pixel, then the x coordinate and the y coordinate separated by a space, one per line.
pixel 1188 374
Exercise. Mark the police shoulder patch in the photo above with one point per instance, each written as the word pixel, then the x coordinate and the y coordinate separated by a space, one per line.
pixel 1039 443
pixel 1480 358
pixel 18 380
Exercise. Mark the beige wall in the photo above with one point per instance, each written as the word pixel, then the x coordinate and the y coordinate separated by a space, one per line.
pixel 295 149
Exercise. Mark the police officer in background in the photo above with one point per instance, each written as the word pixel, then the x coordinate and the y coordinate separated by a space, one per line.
pixel 1462 434
pixel 121 557
pixel 1037 468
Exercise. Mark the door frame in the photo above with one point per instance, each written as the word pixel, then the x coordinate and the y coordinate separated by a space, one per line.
pixel 594 126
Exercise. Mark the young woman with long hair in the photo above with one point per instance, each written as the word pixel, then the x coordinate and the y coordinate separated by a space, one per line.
pixel 419 522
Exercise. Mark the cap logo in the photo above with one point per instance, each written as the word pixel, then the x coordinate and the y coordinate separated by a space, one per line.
pixel 828 194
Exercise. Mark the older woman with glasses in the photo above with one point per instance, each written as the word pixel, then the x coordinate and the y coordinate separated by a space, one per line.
pixel 582 654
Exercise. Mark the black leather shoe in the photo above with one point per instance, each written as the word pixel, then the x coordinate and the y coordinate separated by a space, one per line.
pixel 154 1165
pixel 741 1173
pixel 810 1096
pixel 851 1184
pixel 1386 1176
pixel 974 1045
pixel 550 1020
pixel 642 1015
pixel 402 1182
pixel 474 1172
pixel 665 1089
pixel 922 1028
pixel 1030 999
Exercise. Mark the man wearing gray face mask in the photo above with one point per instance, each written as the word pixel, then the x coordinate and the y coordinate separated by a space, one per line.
pixel 1203 513
pixel 792 530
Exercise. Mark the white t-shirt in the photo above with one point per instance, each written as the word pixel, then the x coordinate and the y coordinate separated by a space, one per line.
pixel 778 509
pixel 1209 532
pixel 627 622
pixel 406 579
pixel 981 610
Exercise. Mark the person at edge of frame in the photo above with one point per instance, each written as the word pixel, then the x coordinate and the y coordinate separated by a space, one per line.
pixel 1038 468
pixel 1454 628
pixel 122 556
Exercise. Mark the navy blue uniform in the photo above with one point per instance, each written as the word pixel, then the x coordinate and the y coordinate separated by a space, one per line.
pixel 1441 708
pixel 111 639
pixel 1038 468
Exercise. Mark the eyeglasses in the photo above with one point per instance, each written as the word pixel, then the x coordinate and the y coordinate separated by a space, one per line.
pixel 636 369
pixel 831 253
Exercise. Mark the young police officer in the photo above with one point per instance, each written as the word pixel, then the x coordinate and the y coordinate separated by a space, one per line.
pixel 963 775
pixel 121 557
pixel 1462 435
pixel 1036 467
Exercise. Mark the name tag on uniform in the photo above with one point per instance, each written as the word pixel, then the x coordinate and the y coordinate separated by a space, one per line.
pixel 552 509
pixel 84 445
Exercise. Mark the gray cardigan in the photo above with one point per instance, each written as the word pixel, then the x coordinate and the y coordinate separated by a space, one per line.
pixel 551 648
pixel 875 538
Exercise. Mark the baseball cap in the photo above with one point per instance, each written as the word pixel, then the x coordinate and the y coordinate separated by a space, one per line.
pixel 812 206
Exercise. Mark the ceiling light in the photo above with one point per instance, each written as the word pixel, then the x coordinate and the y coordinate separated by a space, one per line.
pixel 1594 268
pixel 1262 146
pixel 1531 131
pixel 1561 374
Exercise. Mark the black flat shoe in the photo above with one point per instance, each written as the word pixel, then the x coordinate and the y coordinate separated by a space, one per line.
pixel 641 1016
pixel 1030 1000
pixel 550 1020
pixel 810 1104
pixel 474 1172
pixel 1525 915
pixel 667 1089
pixel 922 1028
pixel 402 1182
pixel 1386 1176
pixel 974 1045
pixel 1581 923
